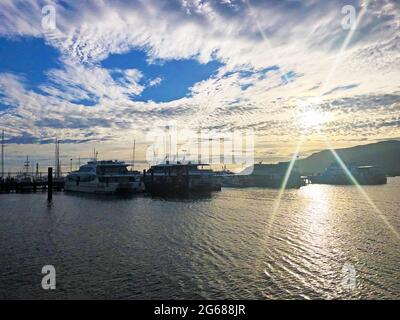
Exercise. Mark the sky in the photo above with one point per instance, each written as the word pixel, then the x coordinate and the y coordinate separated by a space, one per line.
pixel 99 74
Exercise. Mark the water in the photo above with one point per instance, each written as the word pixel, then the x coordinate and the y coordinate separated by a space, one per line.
pixel 213 247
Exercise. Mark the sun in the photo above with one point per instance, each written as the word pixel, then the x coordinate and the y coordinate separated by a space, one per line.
pixel 310 116
pixel 312 119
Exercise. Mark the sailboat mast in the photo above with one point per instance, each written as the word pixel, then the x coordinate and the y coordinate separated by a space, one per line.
pixel 2 154
pixel 26 165
pixel 133 155
pixel 55 160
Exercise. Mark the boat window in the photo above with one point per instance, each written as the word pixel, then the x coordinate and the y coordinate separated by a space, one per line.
pixel 112 170
pixel 204 167
pixel 87 178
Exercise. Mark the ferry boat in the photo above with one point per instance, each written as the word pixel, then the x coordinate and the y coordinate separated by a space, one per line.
pixel 364 175
pixel 106 176
pixel 262 175
pixel 178 178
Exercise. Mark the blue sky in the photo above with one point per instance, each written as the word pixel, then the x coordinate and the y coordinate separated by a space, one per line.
pixel 175 76
pixel 107 72
pixel 31 58
pixel 28 58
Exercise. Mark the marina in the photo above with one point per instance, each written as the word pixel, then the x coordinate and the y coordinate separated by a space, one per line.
pixel 176 177
pixel 233 151
pixel 113 176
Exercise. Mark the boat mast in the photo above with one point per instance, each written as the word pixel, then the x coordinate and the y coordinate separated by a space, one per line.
pixel 2 154
pixel 133 155
pixel 199 150
pixel 55 160
pixel 57 163
pixel 170 146
pixel 26 165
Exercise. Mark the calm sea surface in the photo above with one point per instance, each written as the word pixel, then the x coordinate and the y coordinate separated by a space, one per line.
pixel 323 242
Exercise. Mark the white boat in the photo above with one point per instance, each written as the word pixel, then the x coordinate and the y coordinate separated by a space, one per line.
pixel 106 176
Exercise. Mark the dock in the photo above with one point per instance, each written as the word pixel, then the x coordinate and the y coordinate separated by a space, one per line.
pixel 12 184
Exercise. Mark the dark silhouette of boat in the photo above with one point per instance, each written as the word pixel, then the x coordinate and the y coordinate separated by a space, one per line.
pixel 264 176
pixel 179 178
pixel 363 175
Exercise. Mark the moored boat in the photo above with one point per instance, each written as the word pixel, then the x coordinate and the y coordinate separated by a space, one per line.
pixel 264 176
pixel 364 175
pixel 106 176
pixel 179 178
pixel 24 179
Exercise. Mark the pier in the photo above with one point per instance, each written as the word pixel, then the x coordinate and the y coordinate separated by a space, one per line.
pixel 28 180
pixel 12 183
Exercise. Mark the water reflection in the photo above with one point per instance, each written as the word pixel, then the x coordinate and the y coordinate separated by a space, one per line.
pixel 212 246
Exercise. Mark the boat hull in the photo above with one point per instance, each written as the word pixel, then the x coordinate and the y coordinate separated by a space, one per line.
pixel 179 185
pixel 111 188
pixel 243 181
pixel 344 180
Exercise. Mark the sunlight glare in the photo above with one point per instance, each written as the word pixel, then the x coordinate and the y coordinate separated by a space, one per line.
pixel 312 119
pixel 310 116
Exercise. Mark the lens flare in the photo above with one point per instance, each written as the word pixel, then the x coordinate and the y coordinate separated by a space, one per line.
pixel 378 212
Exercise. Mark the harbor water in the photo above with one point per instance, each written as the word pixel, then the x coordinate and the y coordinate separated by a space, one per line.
pixel 228 245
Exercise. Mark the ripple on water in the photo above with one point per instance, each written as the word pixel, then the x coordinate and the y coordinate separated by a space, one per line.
pixel 210 247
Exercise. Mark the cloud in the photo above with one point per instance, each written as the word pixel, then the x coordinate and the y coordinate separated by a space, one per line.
pixel 155 82
pixel 302 41
pixel 341 88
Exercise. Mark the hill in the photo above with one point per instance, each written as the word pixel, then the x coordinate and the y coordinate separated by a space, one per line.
pixel 385 155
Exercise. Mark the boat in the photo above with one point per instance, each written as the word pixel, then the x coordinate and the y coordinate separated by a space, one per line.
pixel 105 176
pixel 262 175
pixel 179 178
pixel 363 175
pixel 25 179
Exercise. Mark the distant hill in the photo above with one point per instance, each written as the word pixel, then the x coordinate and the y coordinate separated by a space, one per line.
pixel 385 155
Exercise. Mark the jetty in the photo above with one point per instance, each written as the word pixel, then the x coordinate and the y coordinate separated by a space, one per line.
pixel 14 183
